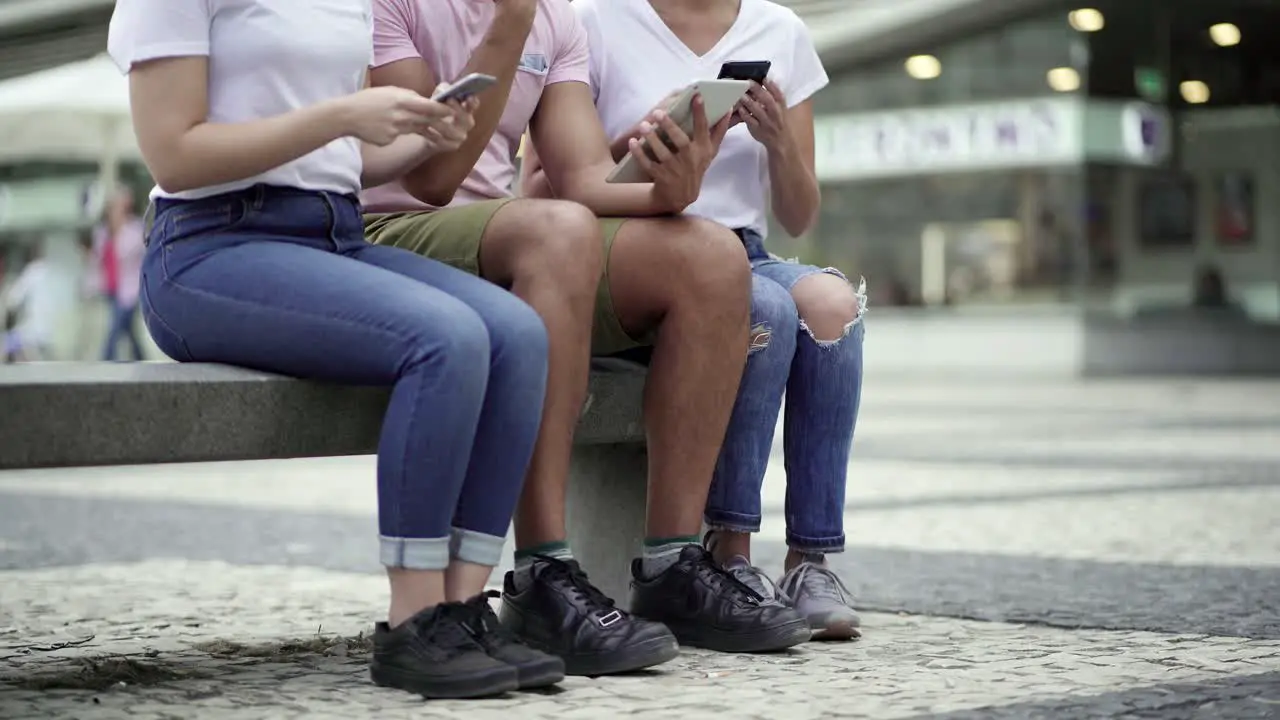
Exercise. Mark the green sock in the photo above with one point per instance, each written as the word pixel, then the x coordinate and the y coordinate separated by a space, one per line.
pixel 662 553
pixel 524 560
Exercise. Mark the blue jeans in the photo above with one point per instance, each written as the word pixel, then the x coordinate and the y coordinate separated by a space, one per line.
pixel 822 381
pixel 122 327
pixel 282 280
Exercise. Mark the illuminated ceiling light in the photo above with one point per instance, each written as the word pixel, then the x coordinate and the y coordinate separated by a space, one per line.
pixel 1195 92
pixel 1225 34
pixel 1064 79
pixel 1086 20
pixel 923 67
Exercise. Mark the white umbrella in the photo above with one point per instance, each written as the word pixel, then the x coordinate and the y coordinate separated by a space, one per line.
pixel 78 111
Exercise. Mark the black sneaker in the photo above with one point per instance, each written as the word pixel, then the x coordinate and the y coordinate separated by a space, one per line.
pixel 562 613
pixel 534 669
pixel 707 607
pixel 434 655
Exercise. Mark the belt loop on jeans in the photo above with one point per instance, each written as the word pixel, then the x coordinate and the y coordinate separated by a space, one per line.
pixel 334 218
pixel 148 222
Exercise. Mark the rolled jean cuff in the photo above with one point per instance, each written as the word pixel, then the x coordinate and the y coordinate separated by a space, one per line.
pixel 730 521
pixel 414 553
pixel 474 547
pixel 816 545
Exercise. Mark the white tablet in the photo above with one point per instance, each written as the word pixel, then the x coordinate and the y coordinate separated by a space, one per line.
pixel 719 98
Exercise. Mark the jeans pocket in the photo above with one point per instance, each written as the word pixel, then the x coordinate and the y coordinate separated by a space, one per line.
pixel 182 228
pixel 195 218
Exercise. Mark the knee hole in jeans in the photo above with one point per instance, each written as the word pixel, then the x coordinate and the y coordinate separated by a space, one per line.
pixel 773 314
pixel 760 337
pixel 829 306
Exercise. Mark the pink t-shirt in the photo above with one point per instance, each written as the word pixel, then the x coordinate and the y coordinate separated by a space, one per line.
pixel 444 33
pixel 126 250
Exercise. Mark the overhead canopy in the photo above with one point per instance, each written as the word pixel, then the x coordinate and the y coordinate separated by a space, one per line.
pixel 18 13
pixel 78 111
pixel 870 30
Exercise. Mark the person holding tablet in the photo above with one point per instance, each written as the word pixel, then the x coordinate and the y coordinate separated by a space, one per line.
pixel 250 115
pixel 684 289
pixel 807 321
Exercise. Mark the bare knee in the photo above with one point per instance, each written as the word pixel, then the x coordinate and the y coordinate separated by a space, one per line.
pixel 711 263
pixel 548 242
pixel 828 306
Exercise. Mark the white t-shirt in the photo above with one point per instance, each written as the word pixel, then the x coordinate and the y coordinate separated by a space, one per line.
pixel 266 58
pixel 35 292
pixel 636 61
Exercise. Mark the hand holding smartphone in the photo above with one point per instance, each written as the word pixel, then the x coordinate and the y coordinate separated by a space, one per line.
pixel 754 70
pixel 466 87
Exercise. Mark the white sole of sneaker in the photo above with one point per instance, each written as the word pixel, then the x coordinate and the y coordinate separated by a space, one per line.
pixel 836 630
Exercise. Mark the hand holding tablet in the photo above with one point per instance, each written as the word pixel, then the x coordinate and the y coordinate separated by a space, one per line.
pixel 719 97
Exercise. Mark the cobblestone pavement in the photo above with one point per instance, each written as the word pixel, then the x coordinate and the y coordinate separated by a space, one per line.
pixel 1025 549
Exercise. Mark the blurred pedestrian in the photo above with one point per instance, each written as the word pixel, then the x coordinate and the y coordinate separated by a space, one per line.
pixel 30 310
pixel 119 248
pixel 1210 289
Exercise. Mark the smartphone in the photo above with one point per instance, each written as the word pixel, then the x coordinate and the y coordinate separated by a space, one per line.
pixel 756 70
pixel 466 86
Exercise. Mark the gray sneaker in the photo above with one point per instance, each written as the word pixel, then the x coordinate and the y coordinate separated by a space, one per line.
pixel 821 597
pixel 756 579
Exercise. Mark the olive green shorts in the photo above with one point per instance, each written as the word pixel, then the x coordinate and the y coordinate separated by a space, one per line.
pixel 452 236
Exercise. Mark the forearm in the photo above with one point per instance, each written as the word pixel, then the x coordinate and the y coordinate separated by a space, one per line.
pixel 498 55
pixel 388 164
pixel 215 153
pixel 588 187
pixel 795 194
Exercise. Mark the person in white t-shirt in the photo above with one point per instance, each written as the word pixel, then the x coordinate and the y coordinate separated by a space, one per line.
pixel 252 117
pixel 32 303
pixel 806 321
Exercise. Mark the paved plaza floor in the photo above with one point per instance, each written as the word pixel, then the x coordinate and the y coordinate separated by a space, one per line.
pixel 1037 549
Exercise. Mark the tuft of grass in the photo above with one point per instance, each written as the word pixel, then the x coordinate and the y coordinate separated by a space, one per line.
pixel 99 674
pixel 291 649
pixel 103 673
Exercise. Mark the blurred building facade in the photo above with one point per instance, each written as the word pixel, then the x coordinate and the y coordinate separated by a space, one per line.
pixel 1044 151
pixel 1009 153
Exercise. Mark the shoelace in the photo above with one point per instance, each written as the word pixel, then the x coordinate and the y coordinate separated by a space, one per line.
pixel 583 591
pixel 723 580
pixel 484 625
pixel 750 574
pixel 826 584
pixel 446 631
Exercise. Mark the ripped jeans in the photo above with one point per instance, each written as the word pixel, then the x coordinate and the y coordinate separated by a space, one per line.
pixel 822 381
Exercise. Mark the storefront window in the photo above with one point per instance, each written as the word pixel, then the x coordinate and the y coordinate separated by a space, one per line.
pixel 1091 154
pixel 1027 58
pixel 980 237
pixel 1189 53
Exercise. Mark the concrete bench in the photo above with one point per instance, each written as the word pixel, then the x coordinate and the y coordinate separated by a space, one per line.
pixel 92 414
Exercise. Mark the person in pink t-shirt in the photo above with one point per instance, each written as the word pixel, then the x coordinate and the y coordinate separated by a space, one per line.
pixel 119 241
pixel 639 275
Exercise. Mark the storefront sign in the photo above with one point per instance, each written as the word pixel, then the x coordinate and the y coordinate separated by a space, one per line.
pixel 966 138
pixel 951 138
pixel 1147 132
